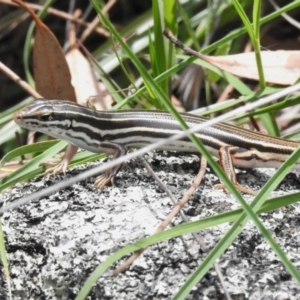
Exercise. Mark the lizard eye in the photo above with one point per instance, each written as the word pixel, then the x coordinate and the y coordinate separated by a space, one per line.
pixel 45 116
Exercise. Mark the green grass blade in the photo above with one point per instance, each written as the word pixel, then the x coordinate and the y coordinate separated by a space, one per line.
pixel 170 18
pixel 254 34
pixel 31 168
pixel 239 32
pixel 160 59
pixel 34 148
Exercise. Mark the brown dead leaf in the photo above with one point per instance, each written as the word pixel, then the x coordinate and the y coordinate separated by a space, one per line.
pixel 280 67
pixel 51 71
pixel 83 77
pixel 83 80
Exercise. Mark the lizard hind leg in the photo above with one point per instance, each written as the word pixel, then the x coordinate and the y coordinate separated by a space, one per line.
pixel 225 159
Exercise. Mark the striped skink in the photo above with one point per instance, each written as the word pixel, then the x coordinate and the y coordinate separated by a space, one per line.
pixel 113 132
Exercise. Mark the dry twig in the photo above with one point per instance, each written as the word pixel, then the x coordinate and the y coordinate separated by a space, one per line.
pixel 62 15
pixel 94 24
pixel 23 84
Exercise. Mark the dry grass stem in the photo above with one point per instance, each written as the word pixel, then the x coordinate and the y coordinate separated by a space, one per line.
pixel 172 214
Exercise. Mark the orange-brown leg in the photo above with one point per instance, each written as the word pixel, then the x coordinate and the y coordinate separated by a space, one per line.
pixel 226 163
